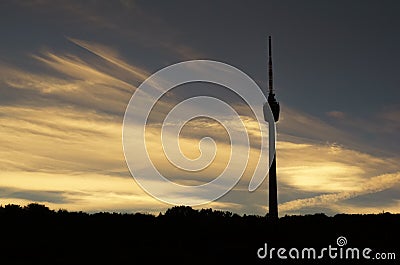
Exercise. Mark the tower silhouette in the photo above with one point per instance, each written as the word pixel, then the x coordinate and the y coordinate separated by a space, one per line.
pixel 274 105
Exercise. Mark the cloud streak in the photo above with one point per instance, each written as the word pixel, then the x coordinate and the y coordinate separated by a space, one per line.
pixel 111 56
pixel 372 185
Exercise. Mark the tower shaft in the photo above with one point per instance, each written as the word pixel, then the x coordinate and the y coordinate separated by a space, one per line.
pixel 273 191
pixel 275 108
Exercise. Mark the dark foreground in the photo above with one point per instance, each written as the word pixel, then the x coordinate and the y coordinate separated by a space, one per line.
pixel 37 235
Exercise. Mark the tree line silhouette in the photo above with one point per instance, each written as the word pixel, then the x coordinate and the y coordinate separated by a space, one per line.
pixel 35 234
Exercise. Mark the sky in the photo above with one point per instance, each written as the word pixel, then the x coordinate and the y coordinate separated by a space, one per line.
pixel 69 68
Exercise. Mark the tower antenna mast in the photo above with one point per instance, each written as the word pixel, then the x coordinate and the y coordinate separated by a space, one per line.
pixel 270 74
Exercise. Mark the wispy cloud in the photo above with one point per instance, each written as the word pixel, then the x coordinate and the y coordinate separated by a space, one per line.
pixel 111 56
pixel 336 114
pixel 372 185
pixel 113 17
pixel 80 84
pixel 59 139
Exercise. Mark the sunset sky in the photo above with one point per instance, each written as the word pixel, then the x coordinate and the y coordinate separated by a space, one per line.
pixel 69 68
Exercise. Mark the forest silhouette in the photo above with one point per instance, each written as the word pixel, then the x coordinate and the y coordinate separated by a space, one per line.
pixel 35 234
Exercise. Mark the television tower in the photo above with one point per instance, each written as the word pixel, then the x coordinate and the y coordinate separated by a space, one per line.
pixel 274 105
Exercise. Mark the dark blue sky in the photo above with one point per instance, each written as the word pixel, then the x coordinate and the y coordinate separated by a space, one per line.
pixel 328 55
